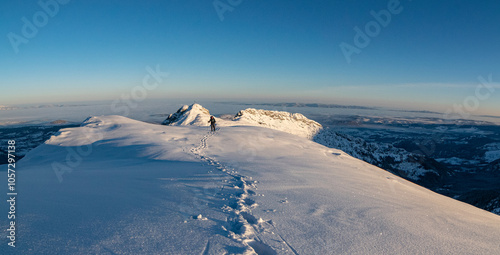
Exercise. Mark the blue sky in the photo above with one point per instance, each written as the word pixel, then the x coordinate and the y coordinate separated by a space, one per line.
pixel 429 56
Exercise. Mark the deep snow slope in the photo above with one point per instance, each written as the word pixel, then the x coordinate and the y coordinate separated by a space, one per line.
pixel 120 186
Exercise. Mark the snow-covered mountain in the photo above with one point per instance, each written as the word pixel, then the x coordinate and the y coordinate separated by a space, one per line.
pixel 399 161
pixel 121 186
pixel 293 123
pixel 193 114
pixel 417 168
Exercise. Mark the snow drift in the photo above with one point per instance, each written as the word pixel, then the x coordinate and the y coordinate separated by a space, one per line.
pixel 120 186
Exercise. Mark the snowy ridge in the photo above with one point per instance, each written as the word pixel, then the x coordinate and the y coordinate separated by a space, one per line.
pixel 292 123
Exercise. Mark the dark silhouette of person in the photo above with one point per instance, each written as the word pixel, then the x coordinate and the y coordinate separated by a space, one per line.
pixel 212 123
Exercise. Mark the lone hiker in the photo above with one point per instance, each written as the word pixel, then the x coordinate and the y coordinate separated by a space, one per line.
pixel 212 123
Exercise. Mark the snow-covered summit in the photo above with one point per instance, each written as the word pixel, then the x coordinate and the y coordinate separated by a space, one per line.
pixel 194 115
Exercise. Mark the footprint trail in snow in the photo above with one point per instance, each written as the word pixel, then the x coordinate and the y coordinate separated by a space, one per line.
pixel 241 225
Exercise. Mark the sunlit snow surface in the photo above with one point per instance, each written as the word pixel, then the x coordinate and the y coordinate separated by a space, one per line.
pixel 121 186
